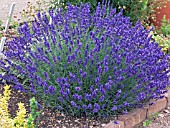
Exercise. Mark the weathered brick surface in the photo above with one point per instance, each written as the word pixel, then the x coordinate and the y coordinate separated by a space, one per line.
pixel 113 125
pixel 157 106
pixel 133 118
pixel 137 116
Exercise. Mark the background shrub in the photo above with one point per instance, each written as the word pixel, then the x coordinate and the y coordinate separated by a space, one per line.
pixel 165 27
pixel 86 64
pixel 164 42
pixel 143 10
pixel 63 3
pixel 137 10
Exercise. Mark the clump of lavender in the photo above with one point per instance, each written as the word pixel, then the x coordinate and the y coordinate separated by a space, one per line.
pixel 87 64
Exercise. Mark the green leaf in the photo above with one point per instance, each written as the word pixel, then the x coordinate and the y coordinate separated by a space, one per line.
pixel 93 2
pixel 147 123
pixel 26 80
pixel 144 124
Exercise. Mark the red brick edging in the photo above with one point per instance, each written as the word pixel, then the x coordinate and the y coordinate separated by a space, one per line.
pixel 138 115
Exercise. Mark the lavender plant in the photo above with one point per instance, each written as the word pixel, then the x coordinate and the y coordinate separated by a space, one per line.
pixel 87 64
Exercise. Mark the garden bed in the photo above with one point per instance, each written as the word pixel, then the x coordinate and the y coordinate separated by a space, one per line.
pixel 50 118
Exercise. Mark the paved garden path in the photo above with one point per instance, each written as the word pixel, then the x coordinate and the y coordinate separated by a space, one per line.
pixel 20 5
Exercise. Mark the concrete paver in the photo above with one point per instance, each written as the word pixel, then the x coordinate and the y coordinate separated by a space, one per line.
pixel 20 5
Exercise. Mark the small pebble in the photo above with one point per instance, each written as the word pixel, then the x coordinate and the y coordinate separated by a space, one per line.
pixel 167 111
pixel 161 115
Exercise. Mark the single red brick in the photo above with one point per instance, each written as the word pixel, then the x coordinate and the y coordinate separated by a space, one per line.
pixel 157 106
pixel 133 118
pixel 167 96
pixel 113 125
pixel 141 115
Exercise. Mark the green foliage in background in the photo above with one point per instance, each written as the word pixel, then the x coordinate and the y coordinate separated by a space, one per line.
pixel 162 35
pixel 142 10
pixel 135 9
pixel 165 28
pixel 163 41
pixel 1 28
pixel 63 3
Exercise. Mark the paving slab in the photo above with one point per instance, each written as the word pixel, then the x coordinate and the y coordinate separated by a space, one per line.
pixel 20 5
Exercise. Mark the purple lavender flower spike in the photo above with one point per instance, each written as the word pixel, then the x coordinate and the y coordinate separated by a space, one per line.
pixel 51 89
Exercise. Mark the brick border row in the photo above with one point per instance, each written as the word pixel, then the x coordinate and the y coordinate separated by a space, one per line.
pixel 137 116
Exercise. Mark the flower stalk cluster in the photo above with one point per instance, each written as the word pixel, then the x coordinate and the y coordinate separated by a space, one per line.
pixel 87 64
